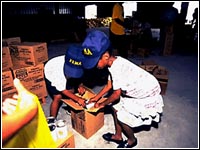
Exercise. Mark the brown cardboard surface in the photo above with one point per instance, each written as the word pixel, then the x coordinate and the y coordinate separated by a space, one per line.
pixel 32 77
pixel 68 142
pixel 163 86
pixel 7 84
pixel 29 53
pixel 12 40
pixel 87 123
pixel 149 62
pixel 168 47
pixel 6 59
pixel 83 119
pixel 161 73
pixel 148 68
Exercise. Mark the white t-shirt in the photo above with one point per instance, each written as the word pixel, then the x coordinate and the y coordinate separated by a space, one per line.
pixel 54 72
pixel 129 77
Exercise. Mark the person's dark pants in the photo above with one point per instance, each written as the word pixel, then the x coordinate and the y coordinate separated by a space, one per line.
pixel 119 42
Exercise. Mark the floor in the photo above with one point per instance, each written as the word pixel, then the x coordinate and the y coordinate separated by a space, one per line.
pixel 179 125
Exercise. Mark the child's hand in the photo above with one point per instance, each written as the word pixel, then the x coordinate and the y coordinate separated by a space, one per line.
pixel 98 105
pixel 81 90
pixel 24 97
pixel 22 100
pixel 93 99
pixel 81 102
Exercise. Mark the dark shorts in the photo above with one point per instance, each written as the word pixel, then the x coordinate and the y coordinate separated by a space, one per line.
pixel 51 89
pixel 71 84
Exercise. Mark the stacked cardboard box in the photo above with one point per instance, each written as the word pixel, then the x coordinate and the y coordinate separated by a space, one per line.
pixel 158 71
pixel 26 61
pixel 86 121
pixel 143 52
pixel 161 74
pixel 6 59
pixel 169 38
pixel 11 41
pixel 149 65
pixel 8 88
pixel 29 53
pixel 32 77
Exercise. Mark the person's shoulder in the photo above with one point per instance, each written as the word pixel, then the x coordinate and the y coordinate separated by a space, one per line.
pixel 55 61
pixel 57 58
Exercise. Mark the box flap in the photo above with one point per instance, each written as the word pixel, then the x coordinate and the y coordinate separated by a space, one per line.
pixel 72 104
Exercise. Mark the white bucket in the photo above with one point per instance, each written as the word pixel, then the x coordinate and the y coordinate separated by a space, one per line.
pixel 61 129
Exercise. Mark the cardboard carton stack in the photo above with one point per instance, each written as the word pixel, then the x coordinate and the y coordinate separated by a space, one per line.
pixel 169 38
pixel 8 88
pixel 160 72
pixel 25 60
pixel 83 119
pixel 143 52
pixel 11 41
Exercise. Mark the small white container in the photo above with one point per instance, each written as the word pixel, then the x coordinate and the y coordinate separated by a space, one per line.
pixel 52 128
pixel 61 129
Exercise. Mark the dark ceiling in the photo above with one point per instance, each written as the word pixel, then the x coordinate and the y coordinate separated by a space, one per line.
pixel 25 15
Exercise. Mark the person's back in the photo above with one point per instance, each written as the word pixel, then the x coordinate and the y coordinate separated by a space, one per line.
pixel 117 30
pixel 133 79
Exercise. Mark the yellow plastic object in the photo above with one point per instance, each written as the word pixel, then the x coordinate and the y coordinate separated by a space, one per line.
pixel 36 134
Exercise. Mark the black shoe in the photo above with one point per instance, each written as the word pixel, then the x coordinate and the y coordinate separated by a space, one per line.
pixel 126 145
pixel 108 137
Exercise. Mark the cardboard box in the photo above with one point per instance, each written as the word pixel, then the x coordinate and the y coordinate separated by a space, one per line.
pixel 32 78
pixel 149 65
pixel 149 62
pixel 8 88
pixel 159 72
pixel 148 68
pixel 68 142
pixel 6 59
pixel 11 41
pixel 7 81
pixel 143 52
pixel 161 75
pixel 86 121
pixel 168 44
pixel 163 86
pixel 29 53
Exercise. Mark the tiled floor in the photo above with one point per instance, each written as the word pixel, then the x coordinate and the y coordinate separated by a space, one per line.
pixel 179 125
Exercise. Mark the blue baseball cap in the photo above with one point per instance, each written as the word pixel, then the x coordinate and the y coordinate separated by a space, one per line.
pixel 94 45
pixel 73 61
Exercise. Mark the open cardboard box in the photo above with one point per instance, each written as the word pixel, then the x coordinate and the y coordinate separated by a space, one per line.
pixel 86 121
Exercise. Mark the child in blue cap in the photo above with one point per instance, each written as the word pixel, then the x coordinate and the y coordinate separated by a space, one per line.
pixel 136 98
pixel 63 77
